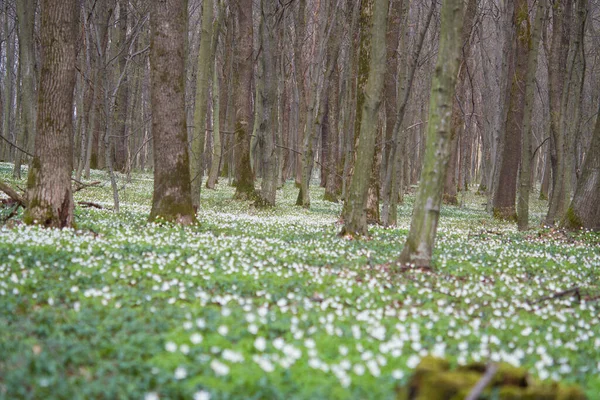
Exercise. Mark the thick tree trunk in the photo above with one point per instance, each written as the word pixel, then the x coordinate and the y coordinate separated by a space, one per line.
pixel 243 102
pixel 49 181
pixel 171 199
pixel 584 211
pixel 355 216
pixel 418 248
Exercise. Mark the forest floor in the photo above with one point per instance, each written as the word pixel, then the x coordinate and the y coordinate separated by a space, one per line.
pixel 273 304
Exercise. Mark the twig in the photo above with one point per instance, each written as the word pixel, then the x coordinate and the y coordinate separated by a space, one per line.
pixel 483 382
pixel 15 146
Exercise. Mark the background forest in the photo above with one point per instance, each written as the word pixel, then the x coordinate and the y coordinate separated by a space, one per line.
pixel 237 177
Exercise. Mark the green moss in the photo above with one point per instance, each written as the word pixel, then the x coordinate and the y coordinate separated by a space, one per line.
pixel 571 219
pixel 446 385
pixel 569 392
pixel 328 196
pixel 510 393
pixel 510 375
pixel 505 214
pixel 430 364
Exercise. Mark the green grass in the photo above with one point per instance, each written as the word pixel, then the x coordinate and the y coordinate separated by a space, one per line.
pixel 272 304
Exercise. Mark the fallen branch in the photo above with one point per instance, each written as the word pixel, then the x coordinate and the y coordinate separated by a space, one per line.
pixel 483 382
pixel 84 185
pixel 564 293
pixel 11 214
pixel 10 192
pixel 90 204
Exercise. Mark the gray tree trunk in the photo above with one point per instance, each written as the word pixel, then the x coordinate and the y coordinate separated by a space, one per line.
pixel 355 217
pixel 26 18
pixel 526 152
pixel 418 248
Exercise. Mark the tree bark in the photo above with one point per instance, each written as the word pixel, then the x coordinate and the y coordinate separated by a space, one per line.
pixel 418 248
pixel 457 129
pixel 205 62
pixel 526 159
pixel 244 181
pixel 121 142
pixel 171 199
pixel 355 217
pixel 268 97
pixel 584 211
pixel 505 197
pixel 26 18
pixel 49 190
pixel 559 47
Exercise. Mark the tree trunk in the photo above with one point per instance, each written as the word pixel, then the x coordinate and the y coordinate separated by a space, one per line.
pixel 526 159
pixel 26 18
pixel 268 97
pixel 561 16
pixel 8 112
pixel 243 102
pixel 457 129
pixel 584 211
pixel 121 142
pixel 205 61
pixel 355 217
pixel 418 248
pixel 392 185
pixel 171 199
pixel 505 197
pixel 49 181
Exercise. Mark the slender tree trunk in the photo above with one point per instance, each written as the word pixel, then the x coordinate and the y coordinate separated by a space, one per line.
pixel 205 61
pixel 418 248
pixel 216 148
pixel 49 181
pixel 171 199
pixel 355 217
pixel 505 197
pixel 561 15
pixel 392 186
pixel 8 111
pixel 457 129
pixel 120 142
pixel 300 84
pixel 243 102
pixel 268 97
pixel 526 159
pixel 26 18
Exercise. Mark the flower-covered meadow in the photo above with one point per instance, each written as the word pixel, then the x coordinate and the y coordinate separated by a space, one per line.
pixel 256 303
